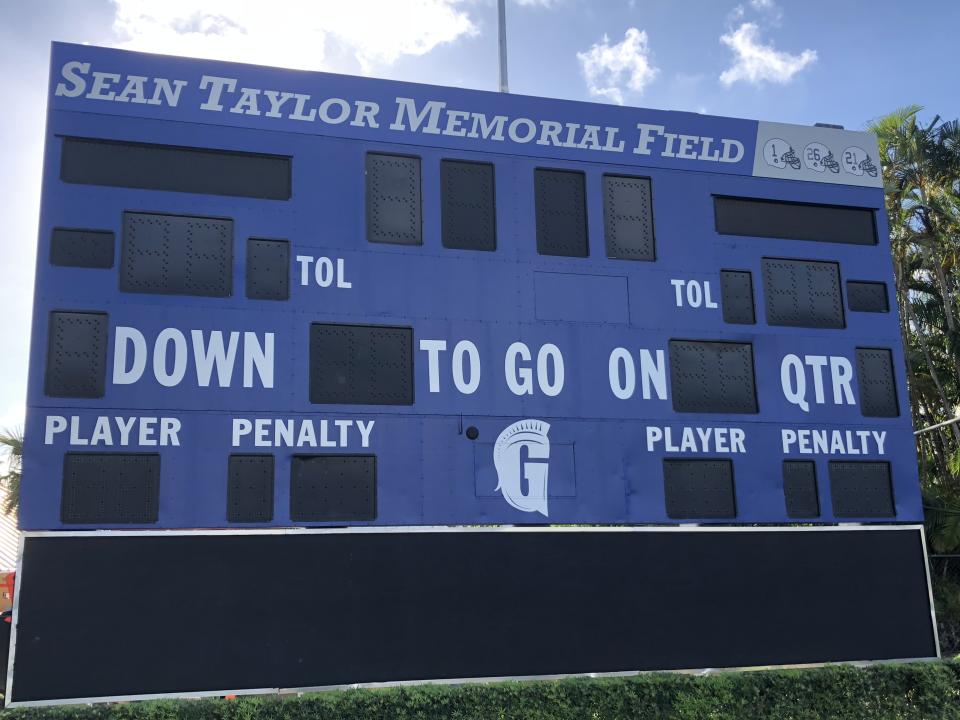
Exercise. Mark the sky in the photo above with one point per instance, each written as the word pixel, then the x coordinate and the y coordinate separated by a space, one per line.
pixel 801 61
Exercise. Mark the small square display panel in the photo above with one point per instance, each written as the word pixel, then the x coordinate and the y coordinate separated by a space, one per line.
pixel 361 364
pixel 467 207
pixel 699 489
pixel 176 255
pixel 329 488
pixel 561 209
pixel 76 355
pixel 712 377
pixel 736 297
pixel 250 488
pixel 393 199
pixel 861 489
pixel 878 389
pixel 628 218
pixel 867 296
pixel 800 489
pixel 268 269
pixel 110 488
pixel 82 248
pixel 802 293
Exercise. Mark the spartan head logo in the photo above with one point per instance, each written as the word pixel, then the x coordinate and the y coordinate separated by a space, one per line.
pixel 520 455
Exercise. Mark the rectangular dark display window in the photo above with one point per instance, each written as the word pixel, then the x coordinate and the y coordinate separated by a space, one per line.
pixel 878 389
pixel 110 488
pixel 115 616
pixel 861 489
pixel 867 296
pixel 712 377
pixel 361 364
pixel 628 218
pixel 736 297
pixel 800 489
pixel 795 221
pixel 699 489
pixel 561 210
pixel 467 208
pixel 250 488
pixel 802 293
pixel 76 355
pixel 393 199
pixel 268 269
pixel 81 248
pixel 179 169
pixel 176 255
pixel 330 488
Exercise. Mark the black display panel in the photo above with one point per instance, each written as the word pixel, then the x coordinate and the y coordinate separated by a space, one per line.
pixel 628 218
pixel 176 255
pixel 110 488
pixel 736 297
pixel 81 248
pixel 800 489
pixel 712 377
pixel 328 488
pixel 76 355
pixel 795 221
pixel 878 389
pixel 393 199
pixel 861 489
pixel 867 296
pixel 317 609
pixel 802 293
pixel 268 269
pixel 699 489
pixel 181 169
pixel 250 488
pixel 468 213
pixel 361 364
pixel 561 213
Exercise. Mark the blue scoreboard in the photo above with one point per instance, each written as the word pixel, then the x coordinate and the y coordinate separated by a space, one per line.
pixel 285 316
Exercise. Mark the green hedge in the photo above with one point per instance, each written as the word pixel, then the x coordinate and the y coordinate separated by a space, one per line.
pixel 920 690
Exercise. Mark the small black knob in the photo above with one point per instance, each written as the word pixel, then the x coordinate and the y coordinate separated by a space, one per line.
pixel 472 433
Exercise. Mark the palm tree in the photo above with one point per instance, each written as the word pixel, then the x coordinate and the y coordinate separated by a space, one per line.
pixel 921 172
pixel 11 443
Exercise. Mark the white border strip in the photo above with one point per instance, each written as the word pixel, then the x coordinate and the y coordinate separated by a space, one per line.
pixel 444 529
pixel 8 686
pixel 397 529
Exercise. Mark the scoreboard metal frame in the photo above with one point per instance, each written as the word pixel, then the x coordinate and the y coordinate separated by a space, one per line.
pixel 280 302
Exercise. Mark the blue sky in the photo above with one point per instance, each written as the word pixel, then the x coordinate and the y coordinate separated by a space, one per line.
pixel 806 61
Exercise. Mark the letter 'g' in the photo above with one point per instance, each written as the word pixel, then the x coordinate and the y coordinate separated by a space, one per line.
pixel 520 455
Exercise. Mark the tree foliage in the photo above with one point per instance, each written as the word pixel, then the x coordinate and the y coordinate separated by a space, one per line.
pixel 11 444
pixel 921 172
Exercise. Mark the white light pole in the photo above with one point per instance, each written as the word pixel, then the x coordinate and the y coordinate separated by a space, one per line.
pixel 502 25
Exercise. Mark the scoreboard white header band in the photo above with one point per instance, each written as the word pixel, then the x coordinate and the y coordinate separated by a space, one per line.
pixel 225 94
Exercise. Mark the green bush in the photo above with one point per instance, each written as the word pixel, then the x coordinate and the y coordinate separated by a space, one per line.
pixel 920 690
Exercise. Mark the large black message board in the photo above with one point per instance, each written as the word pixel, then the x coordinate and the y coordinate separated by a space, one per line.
pixel 145 615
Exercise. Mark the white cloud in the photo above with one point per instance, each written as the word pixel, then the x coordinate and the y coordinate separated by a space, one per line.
pixel 770 11
pixel 608 68
pixel 541 3
pixel 12 418
pixel 291 33
pixel 757 63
